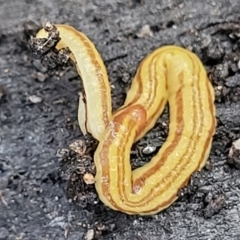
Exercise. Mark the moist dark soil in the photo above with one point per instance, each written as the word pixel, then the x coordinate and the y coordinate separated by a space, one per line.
pixel 42 194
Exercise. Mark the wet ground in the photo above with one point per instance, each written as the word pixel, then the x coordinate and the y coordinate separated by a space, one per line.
pixel 38 119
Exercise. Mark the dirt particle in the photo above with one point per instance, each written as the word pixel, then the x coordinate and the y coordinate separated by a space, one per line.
pixel 44 48
pixel 145 32
pixel 88 178
pixel 35 99
pixel 234 154
pixel 39 76
pixel 90 234
pixel 149 149
pixel 78 146
pixel 214 205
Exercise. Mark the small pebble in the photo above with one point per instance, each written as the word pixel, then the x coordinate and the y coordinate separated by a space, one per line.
pixel 234 154
pixel 214 206
pixel 235 146
pixel 144 32
pixel 35 99
pixel 149 149
pixel 88 178
pixel 89 235
pixel 41 77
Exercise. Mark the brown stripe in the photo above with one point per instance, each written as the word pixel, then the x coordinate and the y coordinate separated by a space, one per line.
pixel 180 125
pixel 147 102
pixel 168 152
pixel 104 162
pixel 121 190
pixel 95 63
pixel 213 124
pixel 104 157
pixel 148 198
pixel 204 150
pixel 141 181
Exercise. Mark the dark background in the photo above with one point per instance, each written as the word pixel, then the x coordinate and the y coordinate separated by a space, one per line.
pixel 38 116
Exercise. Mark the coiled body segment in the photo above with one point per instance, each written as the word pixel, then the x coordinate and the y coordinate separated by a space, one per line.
pixel 170 75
